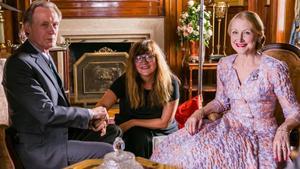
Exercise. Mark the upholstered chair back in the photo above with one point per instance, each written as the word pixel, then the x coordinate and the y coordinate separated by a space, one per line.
pixel 5 159
pixel 291 56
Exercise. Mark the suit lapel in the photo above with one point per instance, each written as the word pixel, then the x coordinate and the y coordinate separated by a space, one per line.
pixel 40 61
pixel 44 66
pixel 60 84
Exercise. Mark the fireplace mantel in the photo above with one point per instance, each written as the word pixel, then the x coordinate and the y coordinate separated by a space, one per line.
pixel 112 30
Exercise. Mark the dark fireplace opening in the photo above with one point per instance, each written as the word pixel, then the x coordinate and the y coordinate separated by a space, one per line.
pixel 78 49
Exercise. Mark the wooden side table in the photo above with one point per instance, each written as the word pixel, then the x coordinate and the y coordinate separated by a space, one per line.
pixel 94 163
pixel 191 86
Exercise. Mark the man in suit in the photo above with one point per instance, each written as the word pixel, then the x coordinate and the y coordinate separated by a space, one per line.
pixel 39 110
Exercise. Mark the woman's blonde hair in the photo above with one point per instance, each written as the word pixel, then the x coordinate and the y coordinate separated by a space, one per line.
pixel 257 24
pixel 162 85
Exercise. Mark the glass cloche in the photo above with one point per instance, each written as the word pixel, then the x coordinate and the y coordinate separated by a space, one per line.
pixel 120 159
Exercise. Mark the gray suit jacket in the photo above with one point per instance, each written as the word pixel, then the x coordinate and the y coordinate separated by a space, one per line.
pixel 39 110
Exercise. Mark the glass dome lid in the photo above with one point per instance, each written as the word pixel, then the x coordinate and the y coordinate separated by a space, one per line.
pixel 120 159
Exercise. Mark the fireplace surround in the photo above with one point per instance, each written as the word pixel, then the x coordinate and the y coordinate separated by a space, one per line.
pixel 92 71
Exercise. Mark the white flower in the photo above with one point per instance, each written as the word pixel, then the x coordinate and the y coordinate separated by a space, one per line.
pixel 188 28
pixel 194 10
pixel 210 32
pixel 198 8
pixel 191 3
pixel 185 15
pixel 196 33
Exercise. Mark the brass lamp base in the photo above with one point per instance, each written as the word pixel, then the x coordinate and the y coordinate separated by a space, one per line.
pixel 3 51
pixel 194 59
pixel 215 57
pixel 2 48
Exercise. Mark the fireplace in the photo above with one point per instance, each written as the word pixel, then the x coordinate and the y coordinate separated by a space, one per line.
pixel 95 72
pixel 99 48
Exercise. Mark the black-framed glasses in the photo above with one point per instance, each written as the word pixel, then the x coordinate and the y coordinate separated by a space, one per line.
pixel 144 57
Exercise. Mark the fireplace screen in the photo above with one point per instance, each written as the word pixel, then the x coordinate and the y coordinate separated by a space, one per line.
pixel 95 72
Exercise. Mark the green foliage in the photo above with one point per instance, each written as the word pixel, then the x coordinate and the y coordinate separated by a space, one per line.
pixel 188 28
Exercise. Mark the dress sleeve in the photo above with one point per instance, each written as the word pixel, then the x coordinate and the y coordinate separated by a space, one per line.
pixel 284 91
pixel 175 93
pixel 221 100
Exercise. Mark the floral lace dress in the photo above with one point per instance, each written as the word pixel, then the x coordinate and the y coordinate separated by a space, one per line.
pixel 243 137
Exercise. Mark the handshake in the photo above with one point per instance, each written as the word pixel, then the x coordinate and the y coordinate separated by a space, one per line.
pixel 99 120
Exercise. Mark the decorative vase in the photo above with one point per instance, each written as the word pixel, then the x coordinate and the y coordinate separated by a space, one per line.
pixel 194 51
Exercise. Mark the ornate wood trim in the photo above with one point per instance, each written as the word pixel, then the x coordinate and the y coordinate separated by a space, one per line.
pixel 173 9
pixel 113 8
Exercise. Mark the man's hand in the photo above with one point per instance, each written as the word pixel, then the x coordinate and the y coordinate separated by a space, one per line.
pixel 99 126
pixel 99 113
pixel 99 120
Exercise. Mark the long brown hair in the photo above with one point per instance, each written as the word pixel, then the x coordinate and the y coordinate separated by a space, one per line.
pixel 162 86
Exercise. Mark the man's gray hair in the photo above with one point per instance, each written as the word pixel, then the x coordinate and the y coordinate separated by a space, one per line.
pixel 27 18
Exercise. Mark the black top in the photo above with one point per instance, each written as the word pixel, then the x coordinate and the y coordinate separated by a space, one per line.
pixel 145 112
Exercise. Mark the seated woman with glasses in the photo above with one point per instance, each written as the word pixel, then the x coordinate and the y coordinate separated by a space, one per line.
pixel 148 95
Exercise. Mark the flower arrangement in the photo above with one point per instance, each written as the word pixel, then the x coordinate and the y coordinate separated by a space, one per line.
pixel 188 28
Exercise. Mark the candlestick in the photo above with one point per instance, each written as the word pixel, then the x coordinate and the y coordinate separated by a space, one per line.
pixel 2 39
pixel 220 10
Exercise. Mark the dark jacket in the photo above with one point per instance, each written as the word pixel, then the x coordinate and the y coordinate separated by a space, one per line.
pixel 39 110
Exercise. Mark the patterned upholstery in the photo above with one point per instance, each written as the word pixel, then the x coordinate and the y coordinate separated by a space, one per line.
pixel 291 55
pixel 3 104
pixel 5 160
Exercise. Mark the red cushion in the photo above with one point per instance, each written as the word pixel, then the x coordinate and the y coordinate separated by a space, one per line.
pixel 185 110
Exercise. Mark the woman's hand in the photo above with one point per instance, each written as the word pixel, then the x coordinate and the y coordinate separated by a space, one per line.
pixel 194 122
pixel 281 146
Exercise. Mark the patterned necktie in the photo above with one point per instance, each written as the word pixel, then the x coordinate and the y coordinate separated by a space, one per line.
pixel 50 63
pixel 52 67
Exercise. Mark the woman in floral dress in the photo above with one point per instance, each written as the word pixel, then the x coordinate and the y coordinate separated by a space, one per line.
pixel 248 85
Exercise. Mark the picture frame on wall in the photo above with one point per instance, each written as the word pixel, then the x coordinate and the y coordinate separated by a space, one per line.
pixel 234 2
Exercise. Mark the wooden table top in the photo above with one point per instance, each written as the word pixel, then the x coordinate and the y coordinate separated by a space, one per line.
pixel 94 163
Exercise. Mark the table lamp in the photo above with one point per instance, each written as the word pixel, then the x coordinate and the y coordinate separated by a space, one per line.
pixel 2 39
pixel 220 10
